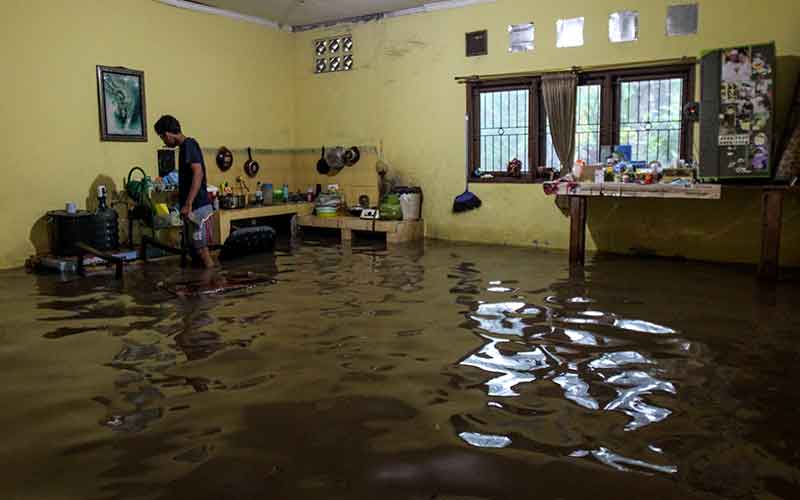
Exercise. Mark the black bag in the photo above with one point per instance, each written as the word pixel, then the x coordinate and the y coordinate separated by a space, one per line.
pixel 248 241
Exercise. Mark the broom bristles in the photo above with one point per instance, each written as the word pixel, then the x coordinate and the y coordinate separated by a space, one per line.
pixel 466 201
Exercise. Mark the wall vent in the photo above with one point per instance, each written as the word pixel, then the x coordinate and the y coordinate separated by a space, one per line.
pixel 477 43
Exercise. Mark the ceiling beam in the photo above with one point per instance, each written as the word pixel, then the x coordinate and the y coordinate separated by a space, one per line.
pixel 198 7
pixel 422 9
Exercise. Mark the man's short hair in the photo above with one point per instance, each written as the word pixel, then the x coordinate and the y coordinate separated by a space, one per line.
pixel 168 123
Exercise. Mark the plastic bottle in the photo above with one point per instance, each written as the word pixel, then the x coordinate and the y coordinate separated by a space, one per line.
pixel 258 195
pixel 285 193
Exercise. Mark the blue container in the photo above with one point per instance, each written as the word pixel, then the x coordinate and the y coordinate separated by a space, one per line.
pixel 266 194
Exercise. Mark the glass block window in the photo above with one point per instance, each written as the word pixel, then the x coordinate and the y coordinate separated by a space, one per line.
pixel 682 19
pixel 569 32
pixel 623 26
pixel 520 37
pixel 333 54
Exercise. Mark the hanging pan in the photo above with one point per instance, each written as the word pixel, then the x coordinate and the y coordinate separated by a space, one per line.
pixel 351 156
pixel 334 157
pixel 322 166
pixel 250 166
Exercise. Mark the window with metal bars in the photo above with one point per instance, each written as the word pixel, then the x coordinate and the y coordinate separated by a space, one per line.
pixel 650 118
pixel 641 107
pixel 503 129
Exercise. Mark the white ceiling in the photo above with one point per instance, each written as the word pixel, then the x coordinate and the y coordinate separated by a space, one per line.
pixel 302 12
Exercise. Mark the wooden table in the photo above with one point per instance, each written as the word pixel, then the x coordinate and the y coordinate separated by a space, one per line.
pixel 771 213
pixel 225 217
pixel 396 231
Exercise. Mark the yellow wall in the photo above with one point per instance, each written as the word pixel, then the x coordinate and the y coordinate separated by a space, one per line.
pixel 403 92
pixel 229 82
pixel 241 85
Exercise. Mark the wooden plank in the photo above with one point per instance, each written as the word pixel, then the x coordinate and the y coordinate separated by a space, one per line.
pixel 387 226
pixel 357 224
pixel 407 231
pixel 314 221
pixel 396 231
pixel 577 231
pixel 302 208
pixel 771 215
pixel 619 190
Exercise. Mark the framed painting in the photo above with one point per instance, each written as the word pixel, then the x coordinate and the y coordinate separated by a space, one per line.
pixel 120 96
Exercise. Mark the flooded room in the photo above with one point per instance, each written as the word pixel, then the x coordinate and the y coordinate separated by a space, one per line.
pixel 400 249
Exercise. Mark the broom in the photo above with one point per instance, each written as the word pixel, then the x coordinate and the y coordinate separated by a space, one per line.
pixel 466 200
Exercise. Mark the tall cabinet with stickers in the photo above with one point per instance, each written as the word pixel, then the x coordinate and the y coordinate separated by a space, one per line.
pixel 737 114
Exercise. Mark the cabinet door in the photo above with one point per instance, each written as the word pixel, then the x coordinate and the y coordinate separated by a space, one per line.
pixel 711 66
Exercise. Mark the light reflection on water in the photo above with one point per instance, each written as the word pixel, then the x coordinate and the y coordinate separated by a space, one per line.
pixel 355 371
pixel 579 363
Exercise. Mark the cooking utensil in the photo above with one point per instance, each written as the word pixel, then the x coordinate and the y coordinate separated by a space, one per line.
pixel 351 156
pixel 335 158
pixel 322 165
pixel 381 167
pixel 251 166
pixel 224 158
pixel 227 202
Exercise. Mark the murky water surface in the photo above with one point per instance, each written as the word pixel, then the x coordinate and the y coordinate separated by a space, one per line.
pixel 440 371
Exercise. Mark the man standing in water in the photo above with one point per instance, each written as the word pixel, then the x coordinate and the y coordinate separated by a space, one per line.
pixel 196 208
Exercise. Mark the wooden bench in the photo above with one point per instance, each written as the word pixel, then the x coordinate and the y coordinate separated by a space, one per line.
pixel 396 231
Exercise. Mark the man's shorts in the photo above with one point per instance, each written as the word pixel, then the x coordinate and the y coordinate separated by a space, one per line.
pixel 195 230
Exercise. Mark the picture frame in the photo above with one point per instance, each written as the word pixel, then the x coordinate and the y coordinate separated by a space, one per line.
pixel 121 104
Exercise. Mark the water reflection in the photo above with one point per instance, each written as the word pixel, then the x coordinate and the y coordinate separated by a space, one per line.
pixel 621 463
pixel 514 368
pixel 466 394
pixel 485 440
pixel 533 345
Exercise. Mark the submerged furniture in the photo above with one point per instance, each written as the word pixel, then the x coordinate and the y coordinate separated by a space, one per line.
pixel 225 217
pixel 83 249
pixel 396 231
pixel 771 213
pixel 248 241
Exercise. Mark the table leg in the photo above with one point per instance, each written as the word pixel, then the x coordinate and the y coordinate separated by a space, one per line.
pixel 224 227
pixel 771 215
pixel 347 234
pixel 577 230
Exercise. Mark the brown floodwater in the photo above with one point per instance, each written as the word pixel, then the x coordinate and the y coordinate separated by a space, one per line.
pixel 434 371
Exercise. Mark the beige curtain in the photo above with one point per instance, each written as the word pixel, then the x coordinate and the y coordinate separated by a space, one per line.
pixel 559 91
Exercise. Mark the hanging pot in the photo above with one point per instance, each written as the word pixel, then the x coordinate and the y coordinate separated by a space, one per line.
pixel 224 159
pixel 351 156
pixel 322 166
pixel 335 159
pixel 250 166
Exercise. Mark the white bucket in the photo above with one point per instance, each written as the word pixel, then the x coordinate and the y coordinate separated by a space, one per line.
pixel 409 204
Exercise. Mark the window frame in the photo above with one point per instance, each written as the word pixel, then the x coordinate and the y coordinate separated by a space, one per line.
pixel 610 98
pixel 474 89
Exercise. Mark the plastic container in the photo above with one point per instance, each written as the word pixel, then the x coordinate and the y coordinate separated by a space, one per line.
pixel 266 194
pixel 410 205
pixel 390 207
pixel 326 211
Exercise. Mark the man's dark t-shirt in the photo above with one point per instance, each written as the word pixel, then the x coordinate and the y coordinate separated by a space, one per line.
pixel 190 153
